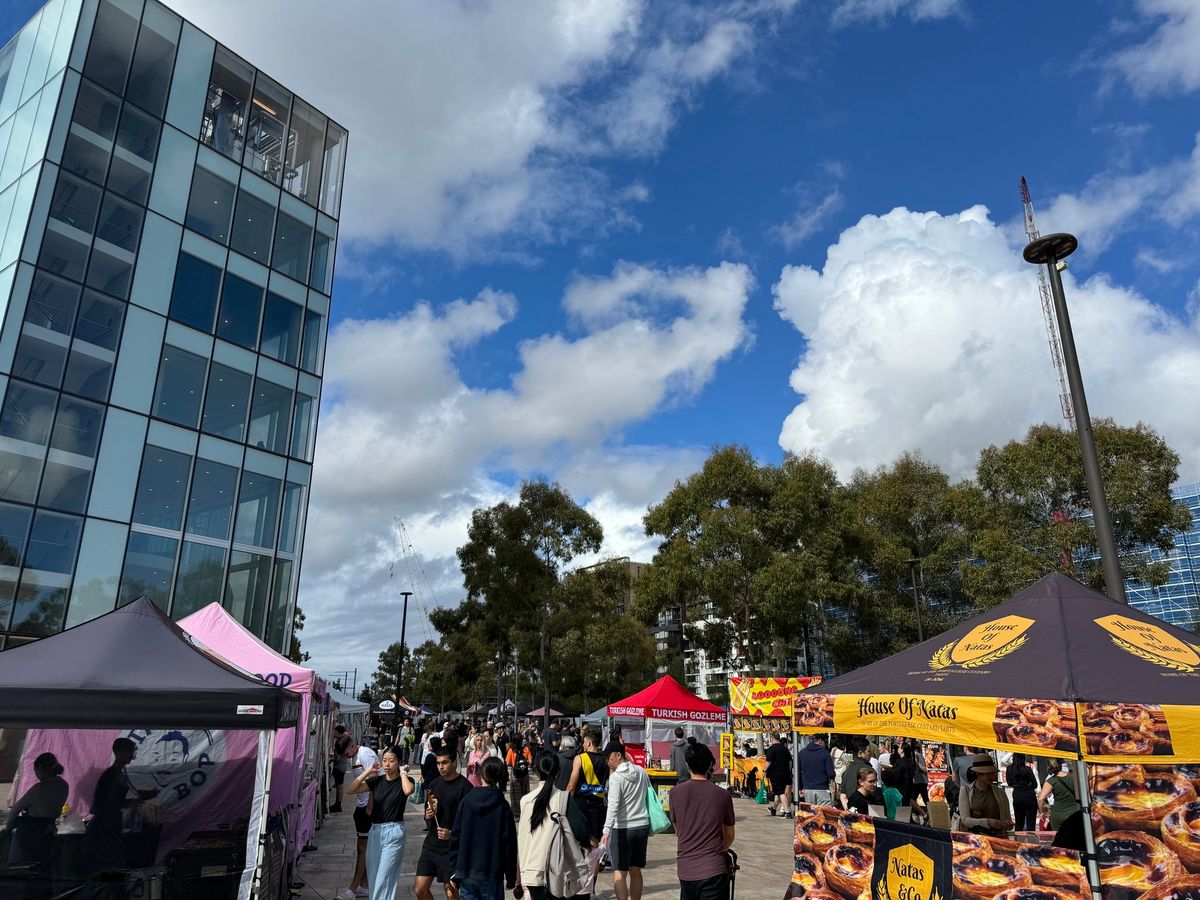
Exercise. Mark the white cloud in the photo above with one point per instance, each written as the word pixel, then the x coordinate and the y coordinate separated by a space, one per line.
pixel 1169 59
pixel 924 332
pixel 475 126
pixel 404 432
pixel 850 11
pixel 812 214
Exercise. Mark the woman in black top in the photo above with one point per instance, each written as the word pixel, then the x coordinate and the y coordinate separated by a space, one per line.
pixel 867 792
pixel 1024 786
pixel 390 789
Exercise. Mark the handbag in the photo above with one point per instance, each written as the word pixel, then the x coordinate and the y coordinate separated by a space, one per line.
pixel 659 821
pixel 761 797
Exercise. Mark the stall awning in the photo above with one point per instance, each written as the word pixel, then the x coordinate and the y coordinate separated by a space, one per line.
pixel 670 700
pixel 134 667
pixel 346 704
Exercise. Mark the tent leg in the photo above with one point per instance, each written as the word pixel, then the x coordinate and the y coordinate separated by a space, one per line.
pixel 256 833
pixel 1089 837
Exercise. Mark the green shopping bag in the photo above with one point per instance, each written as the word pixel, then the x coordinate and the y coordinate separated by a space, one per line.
pixel 761 797
pixel 659 822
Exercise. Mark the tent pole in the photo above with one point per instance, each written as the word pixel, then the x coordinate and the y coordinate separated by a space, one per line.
pixel 256 832
pixel 1089 836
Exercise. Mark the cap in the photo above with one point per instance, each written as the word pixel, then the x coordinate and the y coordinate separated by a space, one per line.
pixel 614 747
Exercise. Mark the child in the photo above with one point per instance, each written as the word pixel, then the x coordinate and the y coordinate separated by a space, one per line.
pixel 892 799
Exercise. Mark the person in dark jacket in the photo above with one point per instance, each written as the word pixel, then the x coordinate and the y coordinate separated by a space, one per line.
pixel 483 842
pixel 678 762
pixel 1024 786
pixel 816 772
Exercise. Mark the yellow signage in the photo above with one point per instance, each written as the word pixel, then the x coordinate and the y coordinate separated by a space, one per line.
pixel 727 751
pixel 765 697
pixel 909 876
pixel 984 644
pixel 1151 643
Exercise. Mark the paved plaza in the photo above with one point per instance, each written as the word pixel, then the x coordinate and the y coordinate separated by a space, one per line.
pixel 763 845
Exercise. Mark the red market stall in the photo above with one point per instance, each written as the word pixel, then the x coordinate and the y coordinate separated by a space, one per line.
pixel 667 701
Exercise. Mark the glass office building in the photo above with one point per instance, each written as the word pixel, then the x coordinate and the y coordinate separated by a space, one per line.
pixel 1176 601
pixel 168 218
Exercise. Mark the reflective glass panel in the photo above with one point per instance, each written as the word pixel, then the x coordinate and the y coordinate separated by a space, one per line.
pixel 246 588
pixel 270 416
pixel 211 206
pixel 310 357
pixel 224 125
pixel 40 357
pixel 99 321
pixel 293 240
pixel 133 162
pixel 210 509
pixel 293 509
pixel 257 510
pixel 111 47
pixel 161 488
pixel 149 565
pixel 302 426
pixel 75 202
pixel 14 529
pixel 111 266
pixel 331 172
pixel 150 76
pixel 180 386
pixel 93 126
pixel 201 572
pixel 49 561
pixel 281 329
pixel 277 616
pixel 52 303
pixel 26 419
pixel 241 308
pixel 322 263
pixel 69 472
pixel 265 134
pixel 194 296
pixel 89 369
pixel 306 149
pixel 252 225
pixel 226 402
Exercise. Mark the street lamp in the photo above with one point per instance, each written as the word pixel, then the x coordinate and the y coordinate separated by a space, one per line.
pixel 403 629
pixel 1048 251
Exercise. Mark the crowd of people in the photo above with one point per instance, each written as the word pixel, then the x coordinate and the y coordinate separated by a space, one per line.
pixel 485 829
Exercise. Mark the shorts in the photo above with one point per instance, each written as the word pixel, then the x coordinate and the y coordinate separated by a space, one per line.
pixel 818 797
pixel 715 888
pixel 434 863
pixel 627 846
pixel 339 776
pixel 362 821
pixel 779 786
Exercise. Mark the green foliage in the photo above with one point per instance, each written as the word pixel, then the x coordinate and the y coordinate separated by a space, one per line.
pixel 295 654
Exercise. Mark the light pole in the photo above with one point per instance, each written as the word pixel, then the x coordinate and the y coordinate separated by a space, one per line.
pixel 403 629
pixel 1048 251
pixel 912 565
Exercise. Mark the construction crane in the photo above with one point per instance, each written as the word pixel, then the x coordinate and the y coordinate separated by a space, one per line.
pixel 1056 358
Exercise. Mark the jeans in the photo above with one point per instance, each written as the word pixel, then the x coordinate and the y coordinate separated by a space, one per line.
pixel 481 889
pixel 818 797
pixel 385 849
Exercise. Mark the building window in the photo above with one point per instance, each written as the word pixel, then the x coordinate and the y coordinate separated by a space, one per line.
pixel 331 171
pixel 210 208
pixel 180 386
pixel 49 561
pixel 270 416
pixel 75 203
pixel 149 565
pixel 322 263
pixel 14 529
pixel 150 76
pixel 293 241
pixel 293 506
pixel 306 149
pixel 246 589
pixel 281 329
pixel 93 353
pixel 241 309
pixel 210 509
pixel 93 127
pixel 277 621
pixel 49 318
pixel 314 327
pixel 161 488
pixel 111 47
pixel 224 124
pixel 257 511
pixel 252 227
pixel 25 421
pixel 133 164
pixel 120 226
pixel 302 426
pixel 194 295
pixel 201 572
pixel 226 402
pixel 264 136
pixel 72 457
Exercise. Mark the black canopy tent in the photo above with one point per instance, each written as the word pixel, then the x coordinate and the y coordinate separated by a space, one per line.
pixel 135 667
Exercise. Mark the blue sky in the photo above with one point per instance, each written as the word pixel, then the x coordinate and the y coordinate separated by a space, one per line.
pixel 591 240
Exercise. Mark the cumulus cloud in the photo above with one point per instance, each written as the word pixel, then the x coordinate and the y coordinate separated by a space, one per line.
pixel 475 126
pixel 1169 58
pixel 405 432
pixel 924 331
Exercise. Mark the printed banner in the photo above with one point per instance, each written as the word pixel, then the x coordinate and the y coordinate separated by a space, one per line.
pixel 761 724
pixel 752 699
pixel 911 862
pixel 727 753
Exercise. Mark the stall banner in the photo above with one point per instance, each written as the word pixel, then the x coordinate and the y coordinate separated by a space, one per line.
pixel 727 751
pixel 761 724
pixel 752 699
pixel 911 862
pixel 1111 732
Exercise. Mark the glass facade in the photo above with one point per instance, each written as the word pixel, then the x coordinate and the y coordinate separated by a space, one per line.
pixel 168 227
pixel 1177 601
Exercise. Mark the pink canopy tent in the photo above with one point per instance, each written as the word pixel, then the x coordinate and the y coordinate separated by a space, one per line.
pixel 669 701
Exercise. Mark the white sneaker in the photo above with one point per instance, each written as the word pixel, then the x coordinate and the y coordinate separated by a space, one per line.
pixel 345 894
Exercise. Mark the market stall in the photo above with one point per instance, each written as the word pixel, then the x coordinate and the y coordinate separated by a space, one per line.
pixel 1059 671
pixel 349 712
pixel 299 752
pixel 134 674
pixel 663 706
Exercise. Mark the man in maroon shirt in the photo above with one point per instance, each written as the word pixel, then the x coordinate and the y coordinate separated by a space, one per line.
pixel 702 814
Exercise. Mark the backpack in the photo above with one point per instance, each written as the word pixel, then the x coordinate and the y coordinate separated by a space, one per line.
pixel 566 865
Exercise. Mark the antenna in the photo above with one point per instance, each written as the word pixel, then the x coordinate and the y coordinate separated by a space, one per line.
pixel 1056 357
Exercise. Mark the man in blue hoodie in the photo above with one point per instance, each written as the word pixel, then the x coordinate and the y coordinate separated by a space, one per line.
pixel 816 772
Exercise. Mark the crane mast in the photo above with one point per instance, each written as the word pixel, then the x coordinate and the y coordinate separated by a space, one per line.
pixel 1056 358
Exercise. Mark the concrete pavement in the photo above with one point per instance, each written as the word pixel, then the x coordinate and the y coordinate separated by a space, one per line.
pixel 763 845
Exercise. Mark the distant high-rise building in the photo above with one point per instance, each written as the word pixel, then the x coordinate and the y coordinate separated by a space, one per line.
pixel 168 219
pixel 1177 601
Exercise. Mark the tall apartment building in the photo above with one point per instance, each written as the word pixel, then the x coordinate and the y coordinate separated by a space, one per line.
pixel 1177 601
pixel 168 220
